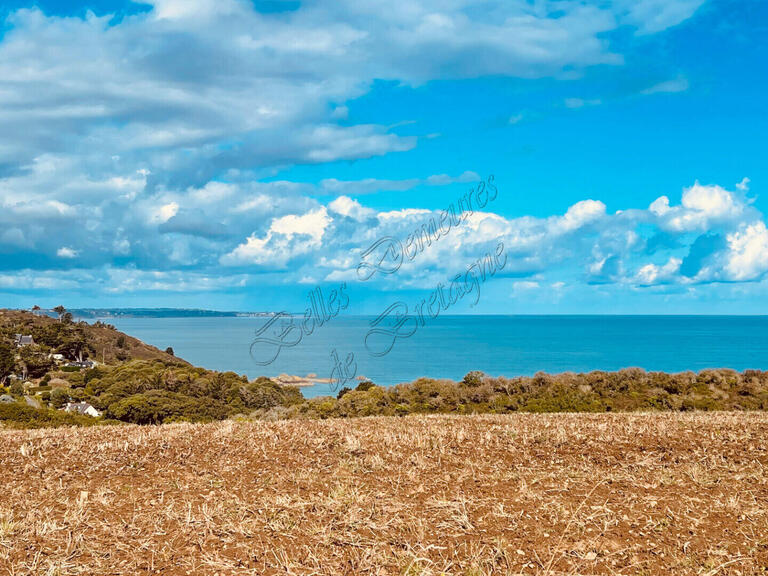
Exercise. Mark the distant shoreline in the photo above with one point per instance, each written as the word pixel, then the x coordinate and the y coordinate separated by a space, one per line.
pixel 103 313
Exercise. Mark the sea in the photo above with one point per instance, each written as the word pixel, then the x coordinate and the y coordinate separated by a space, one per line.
pixel 349 349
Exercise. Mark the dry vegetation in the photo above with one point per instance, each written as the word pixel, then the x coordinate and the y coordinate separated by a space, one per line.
pixel 526 493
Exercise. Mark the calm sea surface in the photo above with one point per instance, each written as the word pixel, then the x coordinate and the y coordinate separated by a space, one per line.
pixel 451 346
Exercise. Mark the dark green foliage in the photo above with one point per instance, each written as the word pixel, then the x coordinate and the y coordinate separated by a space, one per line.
pixel 149 392
pixel 145 392
pixel 20 415
pixel 365 386
pixel 7 359
pixel 60 310
pixel 59 397
pixel 474 378
pixel 74 348
pixel 158 406
pixel 37 362
pixel 169 351
pixel 92 374
pixel 342 392
pixel 632 389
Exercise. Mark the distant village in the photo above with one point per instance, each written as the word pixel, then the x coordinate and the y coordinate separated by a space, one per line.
pixel 35 394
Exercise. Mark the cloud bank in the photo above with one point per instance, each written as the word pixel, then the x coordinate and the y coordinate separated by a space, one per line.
pixel 138 154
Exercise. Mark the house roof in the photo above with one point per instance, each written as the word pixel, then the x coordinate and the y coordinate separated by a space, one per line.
pixel 7 399
pixel 83 364
pixel 79 407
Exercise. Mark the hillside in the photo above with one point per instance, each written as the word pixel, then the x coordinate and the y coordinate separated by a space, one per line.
pixel 102 342
pixel 541 494
pixel 42 376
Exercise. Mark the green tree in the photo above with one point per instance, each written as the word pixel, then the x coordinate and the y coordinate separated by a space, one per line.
pixel 74 347
pixel 7 360
pixel 169 351
pixel 60 311
pixel 474 378
pixel 59 397
pixel 37 363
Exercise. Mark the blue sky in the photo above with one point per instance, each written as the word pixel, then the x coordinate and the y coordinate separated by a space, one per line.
pixel 235 154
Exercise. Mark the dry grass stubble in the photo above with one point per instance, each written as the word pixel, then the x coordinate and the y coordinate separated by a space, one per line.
pixel 474 495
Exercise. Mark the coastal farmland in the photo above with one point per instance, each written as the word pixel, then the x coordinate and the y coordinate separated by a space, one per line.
pixel 520 494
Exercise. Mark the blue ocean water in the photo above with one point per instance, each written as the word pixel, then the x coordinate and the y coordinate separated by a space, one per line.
pixel 451 346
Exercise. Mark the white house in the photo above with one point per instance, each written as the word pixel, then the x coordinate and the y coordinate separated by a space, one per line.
pixel 82 408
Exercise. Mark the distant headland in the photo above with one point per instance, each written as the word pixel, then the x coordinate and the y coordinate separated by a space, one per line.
pixel 86 313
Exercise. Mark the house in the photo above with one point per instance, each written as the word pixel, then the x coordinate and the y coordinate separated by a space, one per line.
pixel 83 364
pixel 58 358
pixel 24 340
pixel 7 399
pixel 82 408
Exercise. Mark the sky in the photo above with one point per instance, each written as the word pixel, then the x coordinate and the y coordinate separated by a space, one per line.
pixel 238 155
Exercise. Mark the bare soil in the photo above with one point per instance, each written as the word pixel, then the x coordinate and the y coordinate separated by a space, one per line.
pixel 474 495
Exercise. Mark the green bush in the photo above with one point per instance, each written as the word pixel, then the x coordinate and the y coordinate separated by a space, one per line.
pixel 59 397
pixel 474 378
pixel 22 416
pixel 158 406
pixel 364 386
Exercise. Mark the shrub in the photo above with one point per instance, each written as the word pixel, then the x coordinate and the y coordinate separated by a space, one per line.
pixel 59 397
pixel 22 416
pixel 365 386
pixel 474 378
pixel 158 406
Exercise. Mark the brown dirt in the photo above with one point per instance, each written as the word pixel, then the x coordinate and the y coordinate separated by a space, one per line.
pixel 530 494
